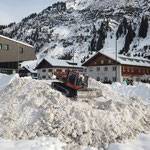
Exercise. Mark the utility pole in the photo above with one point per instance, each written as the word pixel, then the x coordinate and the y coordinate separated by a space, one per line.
pixel 18 58
pixel 116 59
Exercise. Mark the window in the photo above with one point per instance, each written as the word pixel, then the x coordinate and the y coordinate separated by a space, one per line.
pixel 132 69
pixel 58 70
pixel 109 61
pixel 114 68
pixel 0 46
pixel 50 70
pixel 98 79
pixel 5 47
pixel 105 68
pixel 34 74
pixel 102 61
pixel 114 79
pixel 139 70
pixel 80 70
pixel 105 78
pixel 143 71
pixel 20 49
pixel 98 68
pixel 91 69
pixel 43 70
pixel 147 70
pixel 124 69
pixel 44 77
pixel 128 69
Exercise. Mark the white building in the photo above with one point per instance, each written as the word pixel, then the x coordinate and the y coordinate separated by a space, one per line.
pixel 102 67
pixel 49 66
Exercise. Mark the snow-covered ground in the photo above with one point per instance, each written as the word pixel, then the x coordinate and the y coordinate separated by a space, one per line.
pixel 138 89
pixel 30 110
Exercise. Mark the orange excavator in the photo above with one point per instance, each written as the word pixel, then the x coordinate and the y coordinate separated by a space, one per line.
pixel 75 84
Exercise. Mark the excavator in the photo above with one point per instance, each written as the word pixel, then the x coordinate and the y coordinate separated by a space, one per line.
pixel 75 84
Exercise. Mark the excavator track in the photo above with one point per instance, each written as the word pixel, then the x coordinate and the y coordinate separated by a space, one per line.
pixel 68 92
pixel 81 93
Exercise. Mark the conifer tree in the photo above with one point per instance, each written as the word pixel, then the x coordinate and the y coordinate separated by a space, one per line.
pixel 143 27
pixel 129 38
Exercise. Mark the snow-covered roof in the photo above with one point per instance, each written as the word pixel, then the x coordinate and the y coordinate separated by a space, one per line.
pixel 128 60
pixel 16 41
pixel 60 62
pixel 125 60
pixel 30 65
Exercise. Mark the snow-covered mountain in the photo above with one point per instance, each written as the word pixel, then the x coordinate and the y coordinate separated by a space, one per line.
pixel 81 27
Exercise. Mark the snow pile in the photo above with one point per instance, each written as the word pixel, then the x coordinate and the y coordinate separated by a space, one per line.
pixel 31 108
pixel 139 89
pixel 4 80
pixel 41 143
pixel 141 144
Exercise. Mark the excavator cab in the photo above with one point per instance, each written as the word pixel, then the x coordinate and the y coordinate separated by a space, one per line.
pixel 76 80
pixel 72 83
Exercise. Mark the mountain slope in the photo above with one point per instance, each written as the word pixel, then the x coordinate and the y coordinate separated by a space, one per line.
pixel 80 27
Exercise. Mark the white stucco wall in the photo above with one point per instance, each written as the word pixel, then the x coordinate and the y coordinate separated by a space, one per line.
pixel 40 73
pixel 94 73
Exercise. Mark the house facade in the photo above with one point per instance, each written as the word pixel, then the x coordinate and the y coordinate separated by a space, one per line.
pixel 49 66
pixel 12 52
pixel 109 68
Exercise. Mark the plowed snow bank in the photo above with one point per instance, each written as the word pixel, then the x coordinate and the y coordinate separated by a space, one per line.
pixel 31 108
pixel 139 89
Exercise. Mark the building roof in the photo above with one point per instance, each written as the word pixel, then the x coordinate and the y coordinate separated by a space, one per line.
pixel 56 62
pixel 59 62
pixel 15 41
pixel 30 65
pixel 125 60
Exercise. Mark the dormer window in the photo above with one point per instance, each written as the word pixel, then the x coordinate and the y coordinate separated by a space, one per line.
pixel 102 61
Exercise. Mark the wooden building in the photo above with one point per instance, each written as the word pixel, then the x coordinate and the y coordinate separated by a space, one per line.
pixel 109 68
pixel 12 52
pixel 50 66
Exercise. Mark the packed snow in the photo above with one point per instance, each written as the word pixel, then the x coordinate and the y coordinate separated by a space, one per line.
pixel 35 116
pixel 138 89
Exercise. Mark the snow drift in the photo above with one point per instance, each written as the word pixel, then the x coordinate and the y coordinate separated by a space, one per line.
pixel 139 89
pixel 31 108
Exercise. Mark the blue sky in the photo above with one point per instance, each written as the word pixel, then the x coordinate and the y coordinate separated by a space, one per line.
pixel 16 10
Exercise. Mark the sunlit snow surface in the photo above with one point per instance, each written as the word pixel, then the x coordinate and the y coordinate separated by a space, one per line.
pixel 44 143
pixel 138 89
